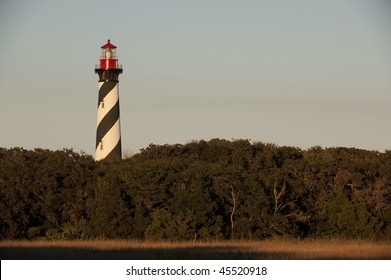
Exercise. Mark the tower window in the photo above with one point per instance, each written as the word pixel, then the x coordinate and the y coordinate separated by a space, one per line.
pixel 103 103
pixel 101 145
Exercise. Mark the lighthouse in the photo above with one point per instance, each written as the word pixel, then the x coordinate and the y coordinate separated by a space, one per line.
pixel 108 129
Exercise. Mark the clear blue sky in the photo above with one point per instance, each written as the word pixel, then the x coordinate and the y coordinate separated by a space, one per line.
pixel 296 73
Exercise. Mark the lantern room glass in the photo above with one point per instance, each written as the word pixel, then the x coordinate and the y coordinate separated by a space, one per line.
pixel 106 52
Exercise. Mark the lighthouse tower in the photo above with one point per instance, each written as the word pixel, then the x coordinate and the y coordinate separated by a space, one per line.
pixel 108 130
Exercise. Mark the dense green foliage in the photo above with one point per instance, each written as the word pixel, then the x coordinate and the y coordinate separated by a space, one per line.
pixel 199 191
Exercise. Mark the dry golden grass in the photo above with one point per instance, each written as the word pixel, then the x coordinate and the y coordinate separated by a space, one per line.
pixel 130 249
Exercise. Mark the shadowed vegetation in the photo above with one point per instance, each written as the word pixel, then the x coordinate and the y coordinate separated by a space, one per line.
pixel 200 191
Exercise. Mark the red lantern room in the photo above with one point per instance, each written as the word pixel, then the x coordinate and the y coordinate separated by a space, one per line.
pixel 109 59
pixel 108 68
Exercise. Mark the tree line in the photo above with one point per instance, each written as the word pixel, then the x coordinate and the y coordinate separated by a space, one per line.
pixel 202 190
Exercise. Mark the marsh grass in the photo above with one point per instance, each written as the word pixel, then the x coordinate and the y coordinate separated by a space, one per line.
pixel 131 249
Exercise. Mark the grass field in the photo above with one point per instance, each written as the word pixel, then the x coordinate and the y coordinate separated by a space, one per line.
pixel 125 249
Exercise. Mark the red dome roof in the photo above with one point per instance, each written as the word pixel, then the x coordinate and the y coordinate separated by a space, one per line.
pixel 108 45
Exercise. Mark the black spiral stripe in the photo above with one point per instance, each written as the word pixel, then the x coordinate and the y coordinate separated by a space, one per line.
pixel 116 152
pixel 107 123
pixel 105 89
